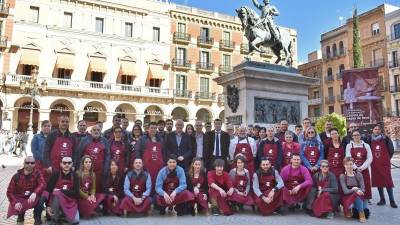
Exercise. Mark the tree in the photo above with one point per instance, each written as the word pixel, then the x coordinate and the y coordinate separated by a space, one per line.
pixel 357 52
pixel 338 121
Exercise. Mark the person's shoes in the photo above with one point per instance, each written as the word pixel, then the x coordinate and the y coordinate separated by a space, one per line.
pixel 179 213
pixel 381 202
pixel 393 205
pixel 192 211
pixel 38 221
pixel 330 215
pixel 367 213
pixel 309 212
pixel 215 211
pixel 361 217
pixel 162 211
pixel 279 211
pixel 21 218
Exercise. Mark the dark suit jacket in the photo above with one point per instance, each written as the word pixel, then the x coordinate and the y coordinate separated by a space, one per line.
pixel 209 147
pixel 184 149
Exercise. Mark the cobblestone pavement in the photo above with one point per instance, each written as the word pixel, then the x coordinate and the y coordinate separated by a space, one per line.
pixel 380 215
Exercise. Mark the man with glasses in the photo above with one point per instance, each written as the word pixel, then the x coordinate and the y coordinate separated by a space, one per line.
pixel 63 188
pixel 109 134
pixel 24 192
pixel 180 144
pixel 59 143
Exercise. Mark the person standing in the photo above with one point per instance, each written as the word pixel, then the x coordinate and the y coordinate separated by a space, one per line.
pixel 37 146
pixel 303 135
pixel 120 150
pixel 283 128
pixel 335 154
pixel 109 133
pixel 312 151
pixel 326 135
pixel 217 145
pixel 382 151
pixel 288 148
pixel 272 149
pixel 180 144
pixel 245 146
pixel 169 124
pixel 161 129
pixel 346 140
pixel 298 129
pixel 200 139
pixel 81 133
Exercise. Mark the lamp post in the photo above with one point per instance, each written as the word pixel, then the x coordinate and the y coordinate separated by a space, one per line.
pixel 32 88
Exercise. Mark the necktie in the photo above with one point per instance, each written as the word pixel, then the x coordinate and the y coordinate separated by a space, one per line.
pixel 217 145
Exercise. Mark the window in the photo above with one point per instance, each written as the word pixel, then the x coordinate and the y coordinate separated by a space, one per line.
pixel 97 76
pixel 68 19
pixel 27 69
pixel 331 109
pixel 395 60
pixel 204 33
pixel 328 52
pixel 181 82
pixel 204 58
pixel 226 36
pixel 397 107
pixel 341 48
pixel 375 29
pixel 156 34
pixel 128 29
pixel 396 31
pixel 341 68
pixel 397 82
pixel 99 25
pixel 1 27
pixel 155 82
pixel 34 14
pixel 226 60
pixel 181 28
pixel 126 79
pixel 330 92
pixel 330 74
pixel 64 73
pixel 181 55
pixel 204 85
pixel 334 50
pixel 317 112
pixel 316 94
pixel 377 58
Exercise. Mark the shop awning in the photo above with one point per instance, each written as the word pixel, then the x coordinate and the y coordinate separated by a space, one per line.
pixel 65 61
pixel 29 57
pixel 156 72
pixel 98 64
pixel 128 68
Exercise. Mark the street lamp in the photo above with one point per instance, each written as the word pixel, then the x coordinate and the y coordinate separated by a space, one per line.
pixel 33 88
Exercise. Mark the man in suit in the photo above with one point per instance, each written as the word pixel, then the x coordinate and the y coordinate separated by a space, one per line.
pixel 180 144
pixel 216 145
pixel 200 140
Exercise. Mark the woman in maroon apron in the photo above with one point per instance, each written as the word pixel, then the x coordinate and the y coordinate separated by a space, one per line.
pixel 288 148
pixel 312 151
pixel 362 155
pixel 267 188
pixel 120 151
pixel 352 184
pixel 241 183
pixel 113 189
pixel 197 184
pixel 335 154
pixel 382 151
pixel 136 134
pixel 297 180
pixel 323 197
pixel 271 148
pixel 89 200
pixel 221 187
pixel 137 189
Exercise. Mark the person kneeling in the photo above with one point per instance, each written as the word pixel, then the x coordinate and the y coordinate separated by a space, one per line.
pixel 323 197
pixel 197 184
pixel 63 188
pixel 221 187
pixel 241 183
pixel 89 200
pixel 171 187
pixel 24 192
pixel 267 188
pixel 137 189
pixel 113 189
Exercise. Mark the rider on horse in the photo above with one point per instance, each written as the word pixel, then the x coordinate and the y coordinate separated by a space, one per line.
pixel 267 17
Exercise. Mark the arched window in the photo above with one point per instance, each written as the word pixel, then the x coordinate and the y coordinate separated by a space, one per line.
pixel 341 48
pixel 328 52
pixel 334 50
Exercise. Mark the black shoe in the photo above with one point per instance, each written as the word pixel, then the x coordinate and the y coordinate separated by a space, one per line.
pixel 393 205
pixel 162 211
pixel 38 221
pixel 367 213
pixel 192 211
pixel 21 218
pixel 381 202
pixel 215 211
pixel 179 213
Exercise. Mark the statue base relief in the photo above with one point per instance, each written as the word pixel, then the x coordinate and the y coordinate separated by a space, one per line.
pixel 259 93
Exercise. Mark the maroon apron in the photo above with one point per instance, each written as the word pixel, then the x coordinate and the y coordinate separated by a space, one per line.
pixel 335 158
pixel 240 184
pixel 96 151
pixel 288 151
pixel 24 191
pixel 245 149
pixel 114 188
pixel 170 184
pixel 137 188
pixel 291 183
pixel 68 205
pixel 222 202
pixel 62 147
pixel 348 200
pixel 312 155
pixel 153 160
pixel 271 152
pixel 359 155
pixel 380 166
pixel 323 203
pixel 118 154
pixel 199 198
pixel 86 208
pixel 266 184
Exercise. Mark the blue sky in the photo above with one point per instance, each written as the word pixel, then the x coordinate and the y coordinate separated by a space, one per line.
pixel 310 18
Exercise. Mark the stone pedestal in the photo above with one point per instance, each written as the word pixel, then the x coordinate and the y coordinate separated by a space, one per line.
pixel 266 93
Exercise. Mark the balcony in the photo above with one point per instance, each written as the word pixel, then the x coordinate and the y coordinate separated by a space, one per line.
pixel 205 67
pixel 182 93
pixel 340 97
pixel 377 63
pixel 339 76
pixel 224 69
pixel 4 9
pixel 394 64
pixel 315 101
pixel 329 78
pixel 3 42
pixel 182 38
pixel 181 64
pixel 206 42
pixel 330 100
pixel 394 89
pixel 332 55
pixel 244 49
pixel 227 45
pixel 205 96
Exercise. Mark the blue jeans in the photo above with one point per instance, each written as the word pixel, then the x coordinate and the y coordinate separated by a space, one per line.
pixel 360 205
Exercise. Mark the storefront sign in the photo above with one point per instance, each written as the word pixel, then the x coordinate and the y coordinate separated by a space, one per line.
pixel 93 109
pixel 152 112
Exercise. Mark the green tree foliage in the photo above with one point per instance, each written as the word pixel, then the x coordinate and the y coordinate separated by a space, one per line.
pixel 338 121
pixel 357 52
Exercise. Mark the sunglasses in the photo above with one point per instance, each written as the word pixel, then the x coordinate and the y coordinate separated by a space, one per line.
pixel 311 132
pixel 66 163
pixel 30 163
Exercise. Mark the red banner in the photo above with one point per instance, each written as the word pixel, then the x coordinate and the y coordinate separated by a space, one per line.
pixel 363 101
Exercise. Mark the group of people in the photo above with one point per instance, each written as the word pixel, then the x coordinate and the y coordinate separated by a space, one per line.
pixel 13 143
pixel 271 170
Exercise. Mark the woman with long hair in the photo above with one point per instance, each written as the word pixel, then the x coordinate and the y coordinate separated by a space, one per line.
pixel 197 184
pixel 335 153
pixel 113 189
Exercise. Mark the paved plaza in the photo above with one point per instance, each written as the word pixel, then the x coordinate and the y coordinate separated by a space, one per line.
pixel 380 215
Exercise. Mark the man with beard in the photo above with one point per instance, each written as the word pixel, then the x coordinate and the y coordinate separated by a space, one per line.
pixel 326 135
pixel 169 124
pixel 161 129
